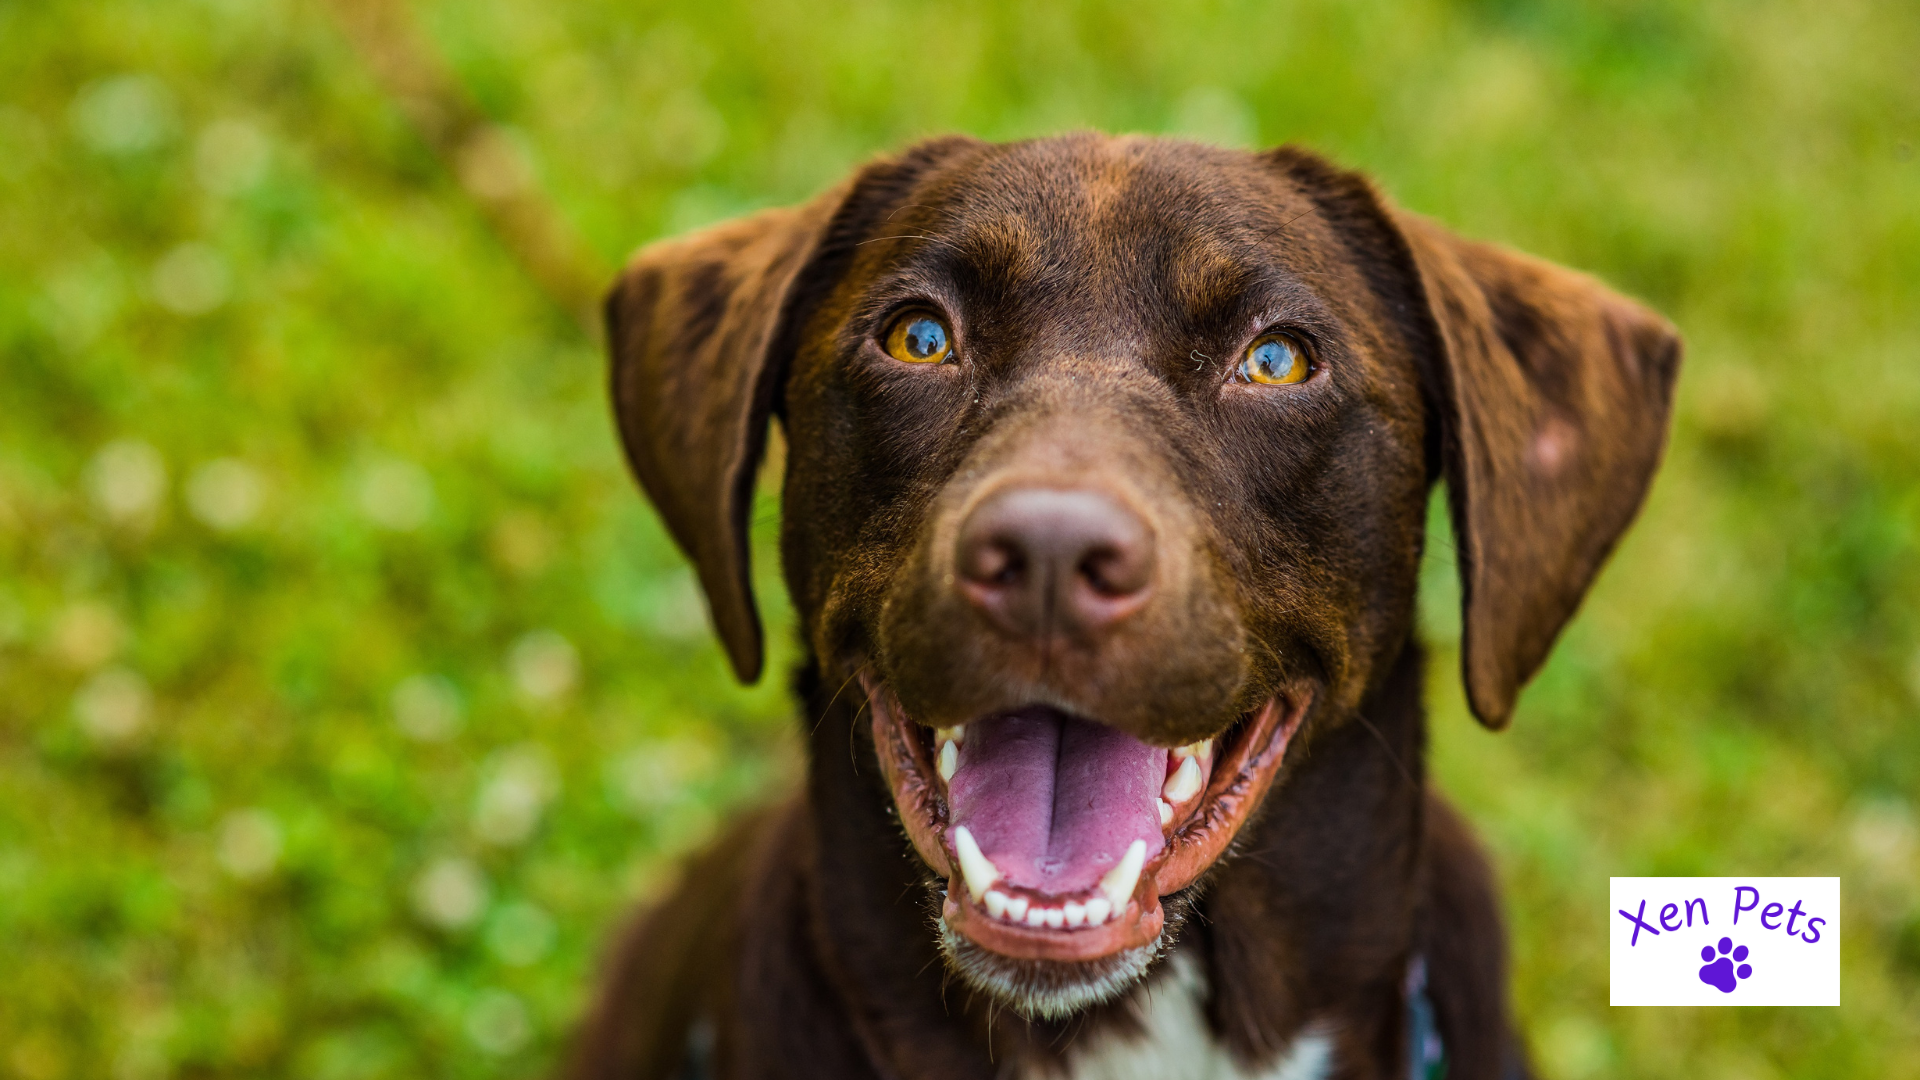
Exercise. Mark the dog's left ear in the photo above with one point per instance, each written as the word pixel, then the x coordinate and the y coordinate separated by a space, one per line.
pixel 1554 394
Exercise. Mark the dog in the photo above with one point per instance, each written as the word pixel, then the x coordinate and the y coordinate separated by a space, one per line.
pixel 1107 469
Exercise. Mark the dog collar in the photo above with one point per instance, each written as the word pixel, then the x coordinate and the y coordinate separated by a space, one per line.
pixel 1426 1057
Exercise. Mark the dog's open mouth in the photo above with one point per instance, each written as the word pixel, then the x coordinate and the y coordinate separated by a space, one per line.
pixel 1058 835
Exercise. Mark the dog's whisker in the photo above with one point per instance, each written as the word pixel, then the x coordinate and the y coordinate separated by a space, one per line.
pixel 938 211
pixel 1282 227
pixel 853 735
pixel 1387 748
pixel 828 710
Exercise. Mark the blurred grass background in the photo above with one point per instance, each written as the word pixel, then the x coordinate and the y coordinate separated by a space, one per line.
pixel 349 693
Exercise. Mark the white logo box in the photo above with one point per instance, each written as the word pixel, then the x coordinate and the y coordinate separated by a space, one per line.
pixel 1782 936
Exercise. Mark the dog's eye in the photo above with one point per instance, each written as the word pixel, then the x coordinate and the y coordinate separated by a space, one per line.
pixel 1274 360
pixel 919 338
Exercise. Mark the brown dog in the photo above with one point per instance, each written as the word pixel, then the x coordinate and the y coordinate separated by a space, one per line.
pixel 1104 502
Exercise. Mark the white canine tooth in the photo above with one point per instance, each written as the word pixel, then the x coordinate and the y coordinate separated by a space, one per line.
pixel 1076 913
pixel 1098 909
pixel 1185 784
pixel 950 734
pixel 1119 882
pixel 1166 812
pixel 1056 918
pixel 1202 748
pixel 977 869
pixel 949 759
pixel 1016 908
pixel 1036 916
pixel 996 902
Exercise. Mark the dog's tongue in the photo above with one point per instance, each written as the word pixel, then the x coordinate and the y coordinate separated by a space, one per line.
pixel 1054 801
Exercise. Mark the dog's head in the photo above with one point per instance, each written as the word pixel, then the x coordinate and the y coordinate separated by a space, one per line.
pixel 1108 464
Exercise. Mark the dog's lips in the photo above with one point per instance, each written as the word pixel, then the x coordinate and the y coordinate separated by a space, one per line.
pixel 1091 887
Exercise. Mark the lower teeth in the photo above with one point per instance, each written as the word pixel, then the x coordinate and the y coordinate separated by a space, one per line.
pixel 1074 913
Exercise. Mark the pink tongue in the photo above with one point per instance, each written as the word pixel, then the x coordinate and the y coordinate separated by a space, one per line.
pixel 1054 800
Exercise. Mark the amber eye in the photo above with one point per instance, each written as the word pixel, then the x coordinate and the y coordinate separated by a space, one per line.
pixel 919 338
pixel 1275 359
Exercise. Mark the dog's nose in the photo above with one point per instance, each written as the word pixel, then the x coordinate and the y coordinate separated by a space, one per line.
pixel 1042 561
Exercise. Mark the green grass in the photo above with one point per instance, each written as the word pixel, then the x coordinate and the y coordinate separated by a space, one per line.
pixel 349 692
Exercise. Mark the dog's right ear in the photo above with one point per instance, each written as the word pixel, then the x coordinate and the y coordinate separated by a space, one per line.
pixel 690 325
pixel 699 328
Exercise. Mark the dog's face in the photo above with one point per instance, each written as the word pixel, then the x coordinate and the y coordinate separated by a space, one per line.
pixel 1108 462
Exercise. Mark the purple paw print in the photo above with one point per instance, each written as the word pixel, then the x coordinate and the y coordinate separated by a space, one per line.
pixel 1721 974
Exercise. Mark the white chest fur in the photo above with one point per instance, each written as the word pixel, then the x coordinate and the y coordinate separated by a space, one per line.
pixel 1176 1043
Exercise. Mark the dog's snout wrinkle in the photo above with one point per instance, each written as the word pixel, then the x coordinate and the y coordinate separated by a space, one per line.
pixel 1041 562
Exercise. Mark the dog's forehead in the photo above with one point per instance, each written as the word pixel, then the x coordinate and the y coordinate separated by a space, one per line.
pixel 1195 221
pixel 1089 185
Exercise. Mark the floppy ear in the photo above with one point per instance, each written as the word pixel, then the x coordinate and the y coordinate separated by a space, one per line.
pixel 1554 393
pixel 700 331
pixel 691 326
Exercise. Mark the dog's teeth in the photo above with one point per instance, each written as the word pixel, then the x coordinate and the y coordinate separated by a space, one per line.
pixel 996 902
pixel 1166 812
pixel 1076 913
pixel 1184 784
pixel 1016 908
pixel 1036 916
pixel 1119 882
pixel 949 759
pixel 1203 748
pixel 977 869
pixel 1056 918
pixel 956 734
pixel 1098 909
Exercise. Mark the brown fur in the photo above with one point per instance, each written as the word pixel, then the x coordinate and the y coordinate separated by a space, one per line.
pixel 1100 290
